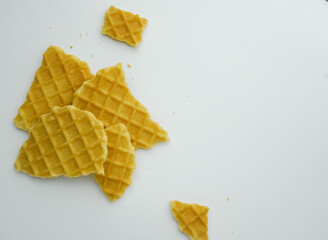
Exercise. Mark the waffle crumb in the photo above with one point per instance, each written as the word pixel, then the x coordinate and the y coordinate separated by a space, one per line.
pixel 129 66
pixel 124 26
pixel 192 219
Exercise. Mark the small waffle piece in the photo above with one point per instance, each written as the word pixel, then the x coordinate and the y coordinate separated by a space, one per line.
pixel 108 97
pixel 192 219
pixel 66 141
pixel 119 164
pixel 124 26
pixel 58 77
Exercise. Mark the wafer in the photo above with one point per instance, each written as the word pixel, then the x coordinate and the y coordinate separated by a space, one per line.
pixel 192 219
pixel 66 141
pixel 124 26
pixel 119 164
pixel 108 97
pixel 58 77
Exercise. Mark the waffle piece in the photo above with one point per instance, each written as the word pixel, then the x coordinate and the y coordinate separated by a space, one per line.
pixel 108 97
pixel 124 26
pixel 119 164
pixel 58 77
pixel 66 141
pixel 192 219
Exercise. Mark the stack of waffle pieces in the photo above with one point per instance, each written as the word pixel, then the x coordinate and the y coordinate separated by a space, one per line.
pixel 79 124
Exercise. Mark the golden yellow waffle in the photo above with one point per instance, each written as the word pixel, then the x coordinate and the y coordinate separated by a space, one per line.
pixel 58 77
pixel 108 97
pixel 192 219
pixel 124 26
pixel 66 141
pixel 119 164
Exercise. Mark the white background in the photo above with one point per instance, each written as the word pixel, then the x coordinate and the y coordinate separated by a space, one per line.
pixel 242 89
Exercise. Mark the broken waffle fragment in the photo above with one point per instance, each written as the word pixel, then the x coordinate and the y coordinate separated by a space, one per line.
pixel 108 97
pixel 119 164
pixel 58 77
pixel 192 219
pixel 66 141
pixel 124 26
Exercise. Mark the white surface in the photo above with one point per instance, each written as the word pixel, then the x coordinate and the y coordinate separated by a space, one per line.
pixel 242 89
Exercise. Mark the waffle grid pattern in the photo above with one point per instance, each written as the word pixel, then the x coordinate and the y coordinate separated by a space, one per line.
pixel 110 100
pixel 124 26
pixel 66 141
pixel 192 219
pixel 119 164
pixel 55 82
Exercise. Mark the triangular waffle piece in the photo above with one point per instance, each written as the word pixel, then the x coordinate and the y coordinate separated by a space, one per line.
pixel 192 219
pixel 58 77
pixel 108 97
pixel 124 26
pixel 119 164
pixel 66 141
